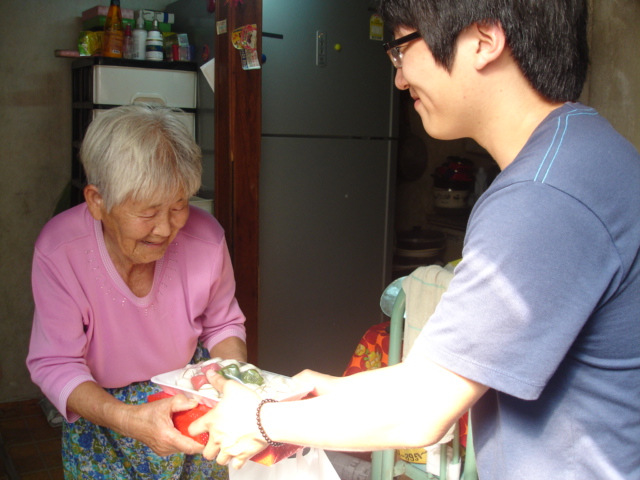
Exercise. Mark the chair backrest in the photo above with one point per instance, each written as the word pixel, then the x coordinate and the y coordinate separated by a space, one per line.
pixel 396 331
pixel 396 328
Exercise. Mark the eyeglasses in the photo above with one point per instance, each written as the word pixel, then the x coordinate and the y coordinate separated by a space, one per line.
pixel 394 52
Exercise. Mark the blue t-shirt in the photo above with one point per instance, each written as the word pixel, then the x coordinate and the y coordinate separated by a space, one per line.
pixel 545 307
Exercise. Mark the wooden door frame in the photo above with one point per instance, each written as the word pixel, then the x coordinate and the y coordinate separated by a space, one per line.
pixel 238 129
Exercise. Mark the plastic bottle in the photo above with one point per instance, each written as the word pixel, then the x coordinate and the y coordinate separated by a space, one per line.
pixel 113 36
pixel 139 39
pixel 154 45
pixel 127 45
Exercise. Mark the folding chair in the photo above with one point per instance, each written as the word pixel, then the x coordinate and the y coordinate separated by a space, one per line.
pixel 382 462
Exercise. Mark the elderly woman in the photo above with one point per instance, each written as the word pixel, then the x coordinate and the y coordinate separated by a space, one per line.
pixel 128 285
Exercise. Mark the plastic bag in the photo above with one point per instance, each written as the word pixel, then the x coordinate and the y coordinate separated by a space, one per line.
pixel 307 464
pixel 433 462
pixel 89 43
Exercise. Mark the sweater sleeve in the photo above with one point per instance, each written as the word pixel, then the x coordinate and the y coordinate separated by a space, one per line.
pixel 222 317
pixel 58 341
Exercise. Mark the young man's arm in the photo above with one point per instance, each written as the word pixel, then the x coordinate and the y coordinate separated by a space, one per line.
pixel 407 405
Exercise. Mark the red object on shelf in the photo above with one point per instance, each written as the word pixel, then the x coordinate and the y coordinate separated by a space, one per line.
pixel 102 11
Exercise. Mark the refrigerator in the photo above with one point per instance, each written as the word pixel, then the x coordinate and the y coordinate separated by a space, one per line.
pixel 326 180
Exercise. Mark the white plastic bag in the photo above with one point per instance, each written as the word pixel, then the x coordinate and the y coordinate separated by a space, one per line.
pixel 433 462
pixel 307 464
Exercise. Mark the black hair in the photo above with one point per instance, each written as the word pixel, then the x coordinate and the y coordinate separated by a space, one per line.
pixel 547 38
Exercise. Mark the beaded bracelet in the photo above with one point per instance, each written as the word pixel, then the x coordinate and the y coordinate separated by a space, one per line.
pixel 261 428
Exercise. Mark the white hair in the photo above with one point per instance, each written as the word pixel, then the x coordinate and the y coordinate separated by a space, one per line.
pixel 142 152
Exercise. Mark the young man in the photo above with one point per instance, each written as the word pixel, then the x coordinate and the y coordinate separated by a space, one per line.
pixel 539 331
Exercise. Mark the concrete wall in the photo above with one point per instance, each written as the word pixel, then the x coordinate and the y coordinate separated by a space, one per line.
pixel 35 110
pixel 614 83
pixel 35 158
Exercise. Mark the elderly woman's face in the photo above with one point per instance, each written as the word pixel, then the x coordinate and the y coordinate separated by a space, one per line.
pixel 139 232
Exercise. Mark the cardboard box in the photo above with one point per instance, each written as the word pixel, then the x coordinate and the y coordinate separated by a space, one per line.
pixel 102 10
pixel 97 23
pixel 162 17
pixel 163 27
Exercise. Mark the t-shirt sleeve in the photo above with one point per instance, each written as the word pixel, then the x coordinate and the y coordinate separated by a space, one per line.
pixel 535 264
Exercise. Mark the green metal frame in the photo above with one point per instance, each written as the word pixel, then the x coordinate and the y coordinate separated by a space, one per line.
pixel 382 462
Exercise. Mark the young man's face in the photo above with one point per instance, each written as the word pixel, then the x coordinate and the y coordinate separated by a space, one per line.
pixel 438 95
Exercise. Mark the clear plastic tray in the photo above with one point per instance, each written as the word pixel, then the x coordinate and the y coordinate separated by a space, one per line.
pixel 295 390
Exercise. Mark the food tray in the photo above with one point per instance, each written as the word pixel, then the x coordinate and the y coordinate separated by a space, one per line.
pixel 167 382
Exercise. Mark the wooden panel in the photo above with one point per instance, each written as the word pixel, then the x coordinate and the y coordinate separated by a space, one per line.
pixel 237 156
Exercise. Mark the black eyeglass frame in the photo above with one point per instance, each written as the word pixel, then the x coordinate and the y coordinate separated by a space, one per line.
pixel 396 57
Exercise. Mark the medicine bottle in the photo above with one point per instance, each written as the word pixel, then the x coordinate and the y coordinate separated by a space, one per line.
pixel 154 43
pixel 127 44
pixel 139 39
pixel 113 35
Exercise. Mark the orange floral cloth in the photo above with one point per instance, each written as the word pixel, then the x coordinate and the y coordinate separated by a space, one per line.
pixel 373 352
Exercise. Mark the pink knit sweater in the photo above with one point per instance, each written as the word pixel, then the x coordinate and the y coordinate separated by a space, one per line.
pixel 89 326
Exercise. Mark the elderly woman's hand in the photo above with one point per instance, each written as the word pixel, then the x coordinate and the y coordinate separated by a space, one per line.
pixel 151 424
pixel 232 427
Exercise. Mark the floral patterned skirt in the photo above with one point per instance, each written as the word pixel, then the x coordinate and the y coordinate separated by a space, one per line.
pixel 93 452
